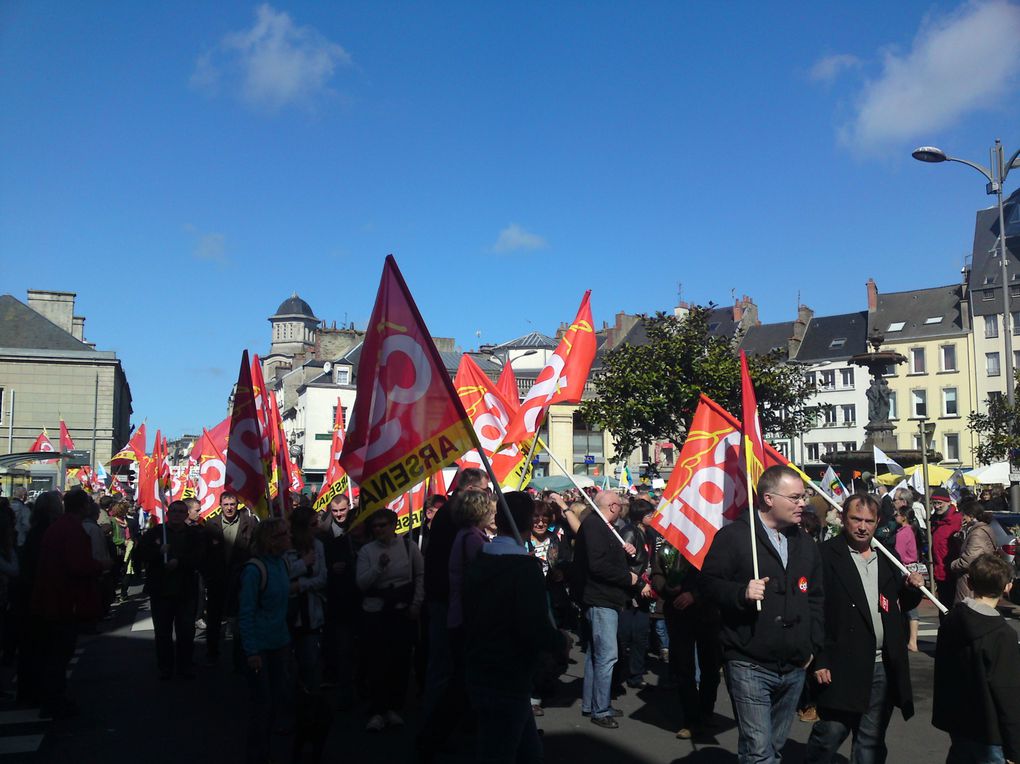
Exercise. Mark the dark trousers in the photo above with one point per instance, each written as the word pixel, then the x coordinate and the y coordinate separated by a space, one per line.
pixel 507 733
pixel 174 616
pixel 633 631
pixel 449 712
pixel 388 642
pixel 58 639
pixel 946 593
pixel 267 695
pixel 215 604
pixel 690 635
pixel 868 728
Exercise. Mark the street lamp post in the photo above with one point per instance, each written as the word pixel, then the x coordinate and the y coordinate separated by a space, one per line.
pixel 927 431
pixel 996 176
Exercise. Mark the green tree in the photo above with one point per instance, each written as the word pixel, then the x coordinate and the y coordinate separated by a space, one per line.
pixel 648 392
pixel 998 429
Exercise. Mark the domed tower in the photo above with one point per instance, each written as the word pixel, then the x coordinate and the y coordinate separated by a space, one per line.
pixel 294 327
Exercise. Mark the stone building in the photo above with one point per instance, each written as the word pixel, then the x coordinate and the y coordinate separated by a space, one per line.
pixel 49 371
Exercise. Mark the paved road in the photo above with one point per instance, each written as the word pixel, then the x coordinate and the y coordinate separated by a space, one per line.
pixel 128 715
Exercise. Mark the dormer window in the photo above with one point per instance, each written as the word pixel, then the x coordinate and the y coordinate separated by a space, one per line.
pixel 933 320
pixel 896 326
pixel 838 342
pixel 343 375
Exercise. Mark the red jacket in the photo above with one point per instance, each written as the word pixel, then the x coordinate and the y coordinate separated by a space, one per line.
pixel 944 548
pixel 67 581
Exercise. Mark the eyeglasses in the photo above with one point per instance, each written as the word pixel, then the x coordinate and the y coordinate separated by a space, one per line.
pixel 799 498
pixel 614 505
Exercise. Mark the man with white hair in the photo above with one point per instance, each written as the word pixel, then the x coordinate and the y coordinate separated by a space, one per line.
pixel 604 579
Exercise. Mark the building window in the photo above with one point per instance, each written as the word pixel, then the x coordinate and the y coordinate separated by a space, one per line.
pixel 952 441
pixel 889 370
pixel 919 403
pixel 932 320
pixel 1016 360
pixel 2 405
pixel 837 343
pixel 810 377
pixel 850 445
pixel 896 326
pixel 782 446
pixel 828 416
pixel 994 395
pixel 948 357
pixel 849 414
pixel 343 375
pixel 827 380
pixel 846 377
pixel 992 364
pixel 892 404
pixel 917 365
pixel 949 407
pixel 830 448
pixel 991 327
pixel 988 295
pixel 1014 319
pixel 812 452
pixel 1014 291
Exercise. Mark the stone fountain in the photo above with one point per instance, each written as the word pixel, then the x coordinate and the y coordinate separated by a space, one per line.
pixel 880 431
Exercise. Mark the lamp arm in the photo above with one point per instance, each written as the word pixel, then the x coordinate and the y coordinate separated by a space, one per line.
pixel 980 168
pixel 1010 164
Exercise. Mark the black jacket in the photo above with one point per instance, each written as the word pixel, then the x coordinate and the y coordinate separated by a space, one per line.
pixel 507 622
pixel 788 630
pixel 187 546
pixel 220 568
pixel 849 648
pixel 977 679
pixel 601 569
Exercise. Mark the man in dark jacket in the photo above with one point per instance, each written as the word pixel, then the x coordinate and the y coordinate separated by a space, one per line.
pixel 172 557
pixel 508 627
pixel 862 669
pixel 606 581
pixel 635 622
pixel 977 671
pixel 228 546
pixel 766 652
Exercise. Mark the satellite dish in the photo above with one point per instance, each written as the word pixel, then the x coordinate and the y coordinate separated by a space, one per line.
pixel 327 367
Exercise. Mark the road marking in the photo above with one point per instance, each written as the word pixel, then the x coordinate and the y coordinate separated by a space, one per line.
pixel 927 632
pixel 21 716
pixel 142 624
pixel 20 744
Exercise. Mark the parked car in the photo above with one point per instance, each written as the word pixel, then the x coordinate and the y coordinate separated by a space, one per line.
pixel 1006 527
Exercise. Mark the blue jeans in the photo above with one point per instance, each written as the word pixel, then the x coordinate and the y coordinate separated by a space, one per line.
pixel 506 727
pixel 598 665
pixel 868 728
pixel 966 751
pixel 764 702
pixel 659 624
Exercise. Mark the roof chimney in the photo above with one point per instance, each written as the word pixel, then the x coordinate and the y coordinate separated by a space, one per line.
pixel 872 296
pixel 78 327
pixel 58 307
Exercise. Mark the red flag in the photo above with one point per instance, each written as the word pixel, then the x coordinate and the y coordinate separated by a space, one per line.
pixel 707 488
pixel 410 508
pixel 407 421
pixel 754 444
pixel 42 443
pixel 148 485
pixel 335 481
pixel 267 427
pixel 66 444
pixel 490 416
pixel 211 473
pixel 563 378
pixel 507 387
pixel 245 471
pixel 134 451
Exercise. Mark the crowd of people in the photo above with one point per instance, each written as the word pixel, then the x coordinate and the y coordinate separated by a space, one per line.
pixel 477 611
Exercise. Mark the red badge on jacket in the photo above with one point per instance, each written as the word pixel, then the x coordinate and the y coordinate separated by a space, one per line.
pixel 883 603
pixel 802 584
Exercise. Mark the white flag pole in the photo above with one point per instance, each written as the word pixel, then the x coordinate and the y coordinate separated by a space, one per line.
pixel 751 521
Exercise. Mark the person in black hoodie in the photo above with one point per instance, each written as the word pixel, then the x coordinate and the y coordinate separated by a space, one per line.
pixel 766 651
pixel 977 671
pixel 508 627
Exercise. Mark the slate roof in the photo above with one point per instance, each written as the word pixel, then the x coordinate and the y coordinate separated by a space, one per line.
pixel 528 341
pixel 765 338
pixel 914 309
pixel 22 327
pixel 294 306
pixel 823 330
pixel 721 323
pixel 986 272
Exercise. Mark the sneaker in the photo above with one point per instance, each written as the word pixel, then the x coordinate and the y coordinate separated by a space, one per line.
pixel 393 719
pixel 605 722
pixel 809 714
pixel 376 724
pixel 664 655
pixel 684 733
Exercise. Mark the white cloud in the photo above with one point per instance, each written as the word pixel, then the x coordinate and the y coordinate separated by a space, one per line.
pixel 514 238
pixel 958 64
pixel 829 68
pixel 209 246
pixel 272 64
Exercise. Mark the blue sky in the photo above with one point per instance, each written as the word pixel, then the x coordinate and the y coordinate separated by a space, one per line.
pixel 185 166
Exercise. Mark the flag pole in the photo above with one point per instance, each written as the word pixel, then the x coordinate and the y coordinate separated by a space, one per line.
pixel 589 499
pixel 882 550
pixel 500 498
pixel 527 463
pixel 751 511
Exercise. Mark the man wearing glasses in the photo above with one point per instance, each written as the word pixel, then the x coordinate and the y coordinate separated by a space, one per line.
pixel 766 652
pixel 606 582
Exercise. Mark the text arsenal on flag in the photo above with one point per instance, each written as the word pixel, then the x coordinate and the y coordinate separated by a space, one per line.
pixel 407 421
